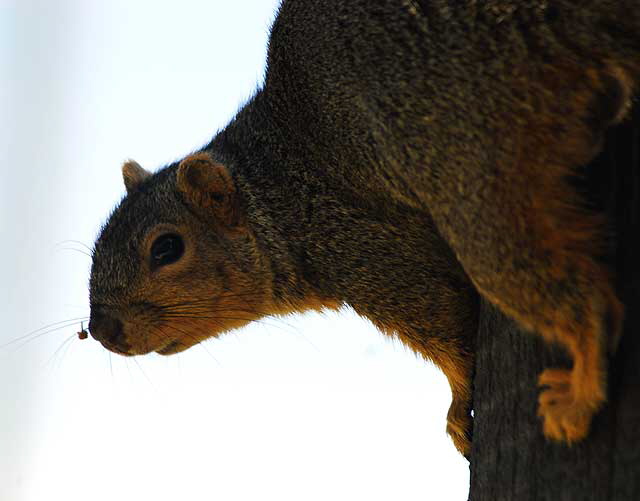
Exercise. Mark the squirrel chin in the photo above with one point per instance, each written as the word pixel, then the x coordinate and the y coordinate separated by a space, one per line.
pixel 172 348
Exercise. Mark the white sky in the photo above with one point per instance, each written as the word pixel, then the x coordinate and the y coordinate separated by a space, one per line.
pixel 311 407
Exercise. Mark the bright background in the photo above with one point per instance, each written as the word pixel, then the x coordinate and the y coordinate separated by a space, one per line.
pixel 314 407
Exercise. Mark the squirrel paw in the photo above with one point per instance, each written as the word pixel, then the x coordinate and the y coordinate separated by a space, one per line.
pixel 566 415
pixel 459 428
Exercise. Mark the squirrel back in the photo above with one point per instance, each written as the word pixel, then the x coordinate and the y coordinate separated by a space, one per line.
pixel 401 157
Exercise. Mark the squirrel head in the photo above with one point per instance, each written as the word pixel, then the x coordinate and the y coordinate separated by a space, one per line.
pixel 176 262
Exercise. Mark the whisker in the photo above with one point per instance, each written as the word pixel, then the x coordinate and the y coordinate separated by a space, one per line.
pixel 142 370
pixel 64 353
pixel 294 331
pixel 278 318
pixel 160 334
pixel 213 299
pixel 222 308
pixel 214 318
pixel 36 336
pixel 126 362
pixel 64 343
pixel 279 325
pixel 215 308
pixel 74 242
pixel 69 322
pixel 198 342
pixel 76 250
pixel 187 334
pixel 219 317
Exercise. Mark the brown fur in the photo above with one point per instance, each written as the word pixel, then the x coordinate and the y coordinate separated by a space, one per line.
pixel 400 158
pixel 562 241
pixel 454 359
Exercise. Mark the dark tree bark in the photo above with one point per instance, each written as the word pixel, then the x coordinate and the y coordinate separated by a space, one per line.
pixel 511 460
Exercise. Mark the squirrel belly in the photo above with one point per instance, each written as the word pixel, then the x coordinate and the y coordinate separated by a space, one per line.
pixel 400 158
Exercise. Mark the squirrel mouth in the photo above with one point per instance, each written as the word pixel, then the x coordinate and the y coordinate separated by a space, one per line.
pixel 117 350
pixel 171 348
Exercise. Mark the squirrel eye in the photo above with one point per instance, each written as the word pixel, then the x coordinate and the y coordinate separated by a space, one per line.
pixel 166 249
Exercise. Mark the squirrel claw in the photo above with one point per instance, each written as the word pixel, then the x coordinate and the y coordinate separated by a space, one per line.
pixel 555 377
pixel 566 415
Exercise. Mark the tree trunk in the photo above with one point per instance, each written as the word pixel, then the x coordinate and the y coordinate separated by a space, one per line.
pixel 511 460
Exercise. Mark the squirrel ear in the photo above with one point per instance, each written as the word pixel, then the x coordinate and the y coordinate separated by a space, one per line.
pixel 207 184
pixel 133 175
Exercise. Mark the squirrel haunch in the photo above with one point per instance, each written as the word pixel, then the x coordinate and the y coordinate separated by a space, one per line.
pixel 399 159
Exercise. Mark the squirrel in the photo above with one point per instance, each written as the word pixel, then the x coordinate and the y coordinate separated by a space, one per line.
pixel 404 158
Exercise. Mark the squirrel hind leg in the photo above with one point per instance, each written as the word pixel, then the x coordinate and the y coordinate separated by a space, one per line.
pixel 570 397
pixel 584 316
pixel 567 298
pixel 530 246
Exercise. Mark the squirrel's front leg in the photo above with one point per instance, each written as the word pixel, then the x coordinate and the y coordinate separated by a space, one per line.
pixel 457 364
pixel 545 276
pixel 454 356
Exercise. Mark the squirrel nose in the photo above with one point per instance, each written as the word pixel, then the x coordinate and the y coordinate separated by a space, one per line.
pixel 106 328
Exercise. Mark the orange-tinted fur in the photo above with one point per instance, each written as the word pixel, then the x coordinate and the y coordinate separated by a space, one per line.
pixel 567 240
pixel 401 157
pixel 455 361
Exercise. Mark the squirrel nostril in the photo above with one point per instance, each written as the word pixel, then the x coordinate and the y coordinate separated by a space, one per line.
pixel 105 327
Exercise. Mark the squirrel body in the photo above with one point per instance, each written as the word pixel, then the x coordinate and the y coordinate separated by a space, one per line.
pixel 401 157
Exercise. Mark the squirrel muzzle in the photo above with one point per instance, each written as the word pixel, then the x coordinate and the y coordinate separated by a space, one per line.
pixel 105 327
